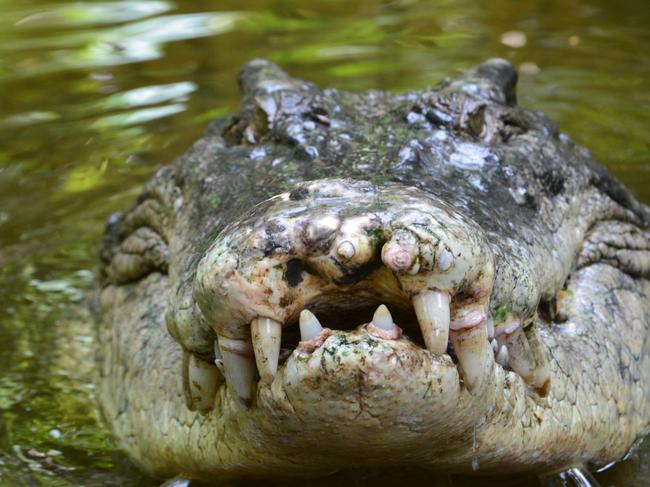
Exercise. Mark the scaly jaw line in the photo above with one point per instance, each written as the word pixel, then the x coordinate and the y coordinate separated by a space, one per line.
pixel 473 339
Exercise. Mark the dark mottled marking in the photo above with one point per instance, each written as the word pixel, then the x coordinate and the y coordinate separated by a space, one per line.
pixel 530 201
pixel 299 193
pixel 352 275
pixel 552 182
pixel 293 273
pixel 547 311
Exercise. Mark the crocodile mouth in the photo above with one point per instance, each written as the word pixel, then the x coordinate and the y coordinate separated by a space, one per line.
pixel 337 257
pixel 346 320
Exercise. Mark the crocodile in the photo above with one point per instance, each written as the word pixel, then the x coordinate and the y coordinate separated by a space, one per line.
pixel 329 280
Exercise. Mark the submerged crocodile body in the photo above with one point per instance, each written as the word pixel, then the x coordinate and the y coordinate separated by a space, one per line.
pixel 330 280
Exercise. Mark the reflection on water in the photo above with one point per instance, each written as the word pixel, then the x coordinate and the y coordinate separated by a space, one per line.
pixel 130 43
pixel 139 97
pixel 83 14
pixel 95 95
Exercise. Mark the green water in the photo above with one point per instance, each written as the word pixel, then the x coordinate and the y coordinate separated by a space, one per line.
pixel 95 95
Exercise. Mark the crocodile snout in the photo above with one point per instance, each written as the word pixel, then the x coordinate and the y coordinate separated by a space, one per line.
pixel 338 249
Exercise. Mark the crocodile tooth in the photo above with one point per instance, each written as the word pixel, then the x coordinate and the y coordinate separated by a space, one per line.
pixel 432 311
pixel 382 318
pixel 239 366
pixel 541 379
pixel 218 359
pixel 382 325
pixel 473 351
pixel 542 374
pixel 267 335
pixel 202 382
pixel 490 328
pixel 520 357
pixel 310 327
pixel 502 356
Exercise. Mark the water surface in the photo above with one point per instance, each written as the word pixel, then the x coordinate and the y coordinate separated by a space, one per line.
pixel 95 95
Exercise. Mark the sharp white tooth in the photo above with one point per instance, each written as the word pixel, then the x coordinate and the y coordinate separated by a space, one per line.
pixel 542 379
pixel 203 379
pixel 542 374
pixel 520 357
pixel 502 356
pixel 528 360
pixel 218 360
pixel 267 335
pixel 382 318
pixel 473 351
pixel 494 344
pixel 432 311
pixel 490 328
pixel 239 365
pixel 310 327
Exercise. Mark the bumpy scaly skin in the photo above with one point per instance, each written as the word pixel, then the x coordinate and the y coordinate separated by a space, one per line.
pixel 377 197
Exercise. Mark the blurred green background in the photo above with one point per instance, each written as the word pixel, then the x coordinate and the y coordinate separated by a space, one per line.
pixel 95 95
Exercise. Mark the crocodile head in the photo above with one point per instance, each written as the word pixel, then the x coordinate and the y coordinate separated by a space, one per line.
pixel 330 280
